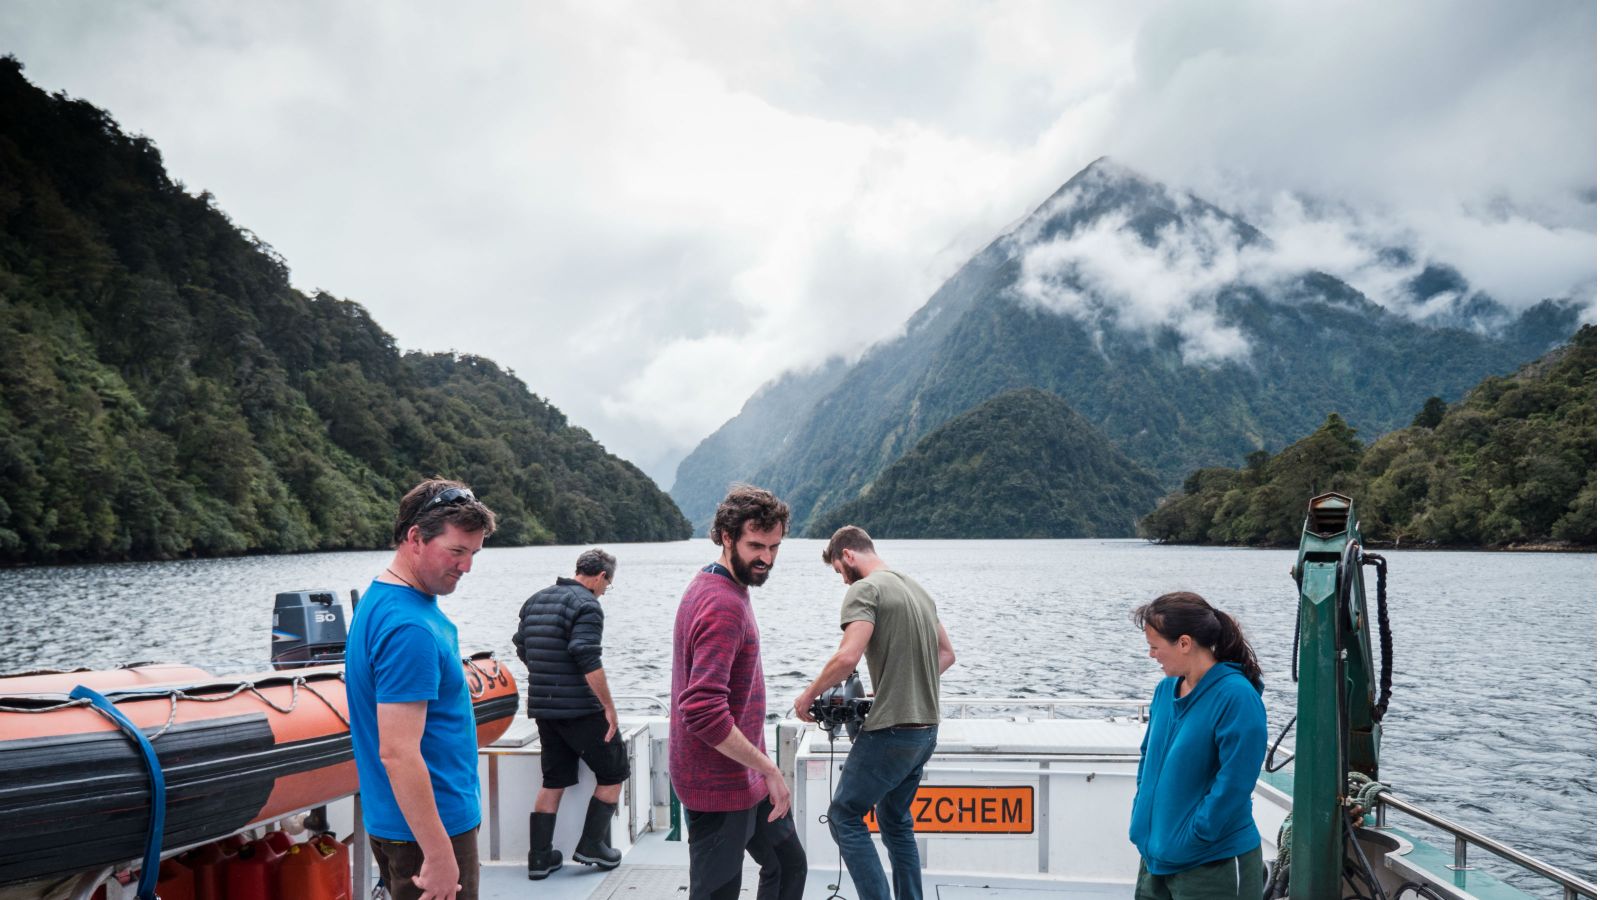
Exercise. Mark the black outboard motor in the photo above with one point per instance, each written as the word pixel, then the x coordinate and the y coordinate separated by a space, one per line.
pixel 307 629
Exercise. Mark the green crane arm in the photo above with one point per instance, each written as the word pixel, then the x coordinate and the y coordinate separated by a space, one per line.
pixel 1337 731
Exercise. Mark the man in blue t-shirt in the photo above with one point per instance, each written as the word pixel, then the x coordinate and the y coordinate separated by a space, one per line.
pixel 411 720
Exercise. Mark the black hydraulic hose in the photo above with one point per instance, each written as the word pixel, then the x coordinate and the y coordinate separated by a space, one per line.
pixel 1274 749
pixel 1294 650
pixel 1385 637
pixel 1365 871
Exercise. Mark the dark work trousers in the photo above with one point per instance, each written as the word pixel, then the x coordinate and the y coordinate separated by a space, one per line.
pixel 882 774
pixel 399 860
pixel 1233 878
pixel 718 842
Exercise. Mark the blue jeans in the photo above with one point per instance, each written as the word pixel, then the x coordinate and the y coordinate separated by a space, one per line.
pixel 882 772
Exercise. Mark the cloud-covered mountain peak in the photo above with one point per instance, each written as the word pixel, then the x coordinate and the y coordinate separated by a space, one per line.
pixel 1107 190
pixel 1125 254
pixel 1129 256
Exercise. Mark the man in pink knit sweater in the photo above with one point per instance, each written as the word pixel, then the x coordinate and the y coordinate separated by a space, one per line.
pixel 733 793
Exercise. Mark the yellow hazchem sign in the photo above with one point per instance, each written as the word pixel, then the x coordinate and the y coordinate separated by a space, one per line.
pixel 965 809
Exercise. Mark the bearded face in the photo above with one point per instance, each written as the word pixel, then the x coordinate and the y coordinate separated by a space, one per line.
pixel 752 556
pixel 851 574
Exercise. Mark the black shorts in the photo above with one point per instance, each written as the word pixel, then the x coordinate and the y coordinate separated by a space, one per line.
pixel 562 742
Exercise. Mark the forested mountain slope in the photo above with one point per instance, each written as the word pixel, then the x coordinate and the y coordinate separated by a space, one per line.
pixel 1022 465
pixel 164 391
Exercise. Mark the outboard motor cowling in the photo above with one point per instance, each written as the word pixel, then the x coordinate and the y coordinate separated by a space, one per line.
pixel 307 629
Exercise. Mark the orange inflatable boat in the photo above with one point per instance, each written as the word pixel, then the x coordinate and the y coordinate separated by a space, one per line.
pixel 234 752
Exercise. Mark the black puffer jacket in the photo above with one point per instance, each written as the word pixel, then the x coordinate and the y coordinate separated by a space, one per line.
pixel 559 641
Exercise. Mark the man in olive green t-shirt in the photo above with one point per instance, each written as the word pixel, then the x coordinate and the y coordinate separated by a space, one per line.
pixel 892 620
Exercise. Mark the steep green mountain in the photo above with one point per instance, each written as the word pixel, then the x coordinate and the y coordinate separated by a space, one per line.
pixel 165 392
pixel 1245 360
pixel 764 425
pixel 1513 462
pixel 1022 465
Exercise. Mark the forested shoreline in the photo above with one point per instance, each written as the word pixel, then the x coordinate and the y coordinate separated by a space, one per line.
pixel 165 392
pixel 1511 466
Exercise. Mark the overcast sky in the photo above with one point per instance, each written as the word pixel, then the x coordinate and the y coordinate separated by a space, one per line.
pixel 647 210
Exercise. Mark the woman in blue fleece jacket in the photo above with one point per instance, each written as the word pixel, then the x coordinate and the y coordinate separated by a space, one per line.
pixel 1201 754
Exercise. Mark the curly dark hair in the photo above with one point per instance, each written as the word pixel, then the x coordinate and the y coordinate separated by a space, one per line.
pixel 746 503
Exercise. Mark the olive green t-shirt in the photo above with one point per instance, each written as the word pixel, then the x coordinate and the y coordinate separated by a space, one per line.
pixel 903 654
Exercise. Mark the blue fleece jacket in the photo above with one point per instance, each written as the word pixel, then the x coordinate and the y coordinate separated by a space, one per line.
pixel 1197 769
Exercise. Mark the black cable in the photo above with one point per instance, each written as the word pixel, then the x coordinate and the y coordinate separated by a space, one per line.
pixel 838 880
pixel 1273 752
pixel 1385 637
pixel 1370 877
pixel 1294 650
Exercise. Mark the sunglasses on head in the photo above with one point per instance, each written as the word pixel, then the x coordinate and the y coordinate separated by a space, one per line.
pixel 447 497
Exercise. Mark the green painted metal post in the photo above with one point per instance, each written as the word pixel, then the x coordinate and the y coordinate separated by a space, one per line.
pixel 675 810
pixel 1316 851
pixel 1322 743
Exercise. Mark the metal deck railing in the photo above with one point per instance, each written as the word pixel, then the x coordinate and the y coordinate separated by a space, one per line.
pixel 1572 886
pixel 962 707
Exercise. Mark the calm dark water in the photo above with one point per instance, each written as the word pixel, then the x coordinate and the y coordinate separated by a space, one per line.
pixel 1492 722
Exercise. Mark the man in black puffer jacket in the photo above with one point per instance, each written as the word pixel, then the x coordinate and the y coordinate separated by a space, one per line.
pixel 559 641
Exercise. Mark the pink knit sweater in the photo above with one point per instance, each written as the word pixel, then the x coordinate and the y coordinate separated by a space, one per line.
pixel 717 686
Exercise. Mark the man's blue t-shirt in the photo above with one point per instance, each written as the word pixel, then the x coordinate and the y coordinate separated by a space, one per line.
pixel 402 648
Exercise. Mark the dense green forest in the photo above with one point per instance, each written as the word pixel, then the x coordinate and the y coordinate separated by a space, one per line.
pixel 165 392
pixel 1512 463
pixel 1023 465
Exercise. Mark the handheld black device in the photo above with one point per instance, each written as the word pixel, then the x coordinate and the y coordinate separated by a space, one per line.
pixel 845 705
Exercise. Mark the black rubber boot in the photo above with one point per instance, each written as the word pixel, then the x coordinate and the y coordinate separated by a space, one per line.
pixel 542 858
pixel 594 848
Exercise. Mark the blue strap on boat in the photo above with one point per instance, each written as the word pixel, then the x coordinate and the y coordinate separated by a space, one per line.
pixel 158 788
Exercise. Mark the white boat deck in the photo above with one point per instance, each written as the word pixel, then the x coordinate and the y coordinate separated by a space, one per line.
pixel 1067 766
pixel 658 869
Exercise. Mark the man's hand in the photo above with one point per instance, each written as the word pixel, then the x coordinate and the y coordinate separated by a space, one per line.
pixel 854 643
pixel 778 793
pixel 602 692
pixel 738 748
pixel 439 878
pixel 400 728
pixel 802 706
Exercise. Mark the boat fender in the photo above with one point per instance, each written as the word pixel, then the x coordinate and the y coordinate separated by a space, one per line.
pixel 158 787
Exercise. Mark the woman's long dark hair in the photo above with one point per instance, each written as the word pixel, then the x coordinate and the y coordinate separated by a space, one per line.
pixel 1181 612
